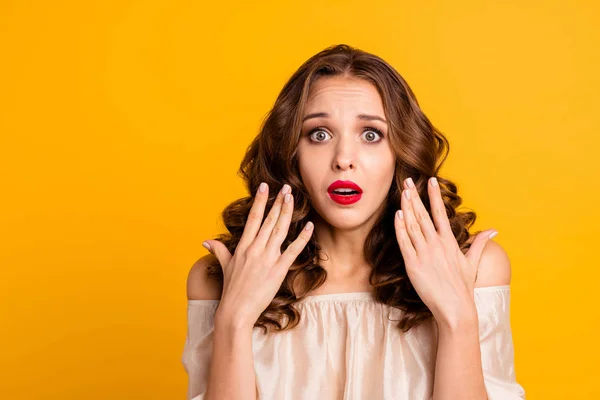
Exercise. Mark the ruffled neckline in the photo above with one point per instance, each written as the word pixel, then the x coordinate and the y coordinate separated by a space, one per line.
pixel 351 296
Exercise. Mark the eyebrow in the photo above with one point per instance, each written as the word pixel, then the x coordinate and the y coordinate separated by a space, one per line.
pixel 365 117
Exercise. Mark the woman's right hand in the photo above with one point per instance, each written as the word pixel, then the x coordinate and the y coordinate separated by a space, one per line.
pixel 255 272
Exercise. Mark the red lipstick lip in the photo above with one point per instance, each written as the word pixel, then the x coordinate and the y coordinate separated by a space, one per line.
pixel 344 199
pixel 344 185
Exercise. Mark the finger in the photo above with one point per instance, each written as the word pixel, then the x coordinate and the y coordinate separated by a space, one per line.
pixel 220 251
pixel 281 229
pixel 438 210
pixel 295 248
pixel 412 225
pixel 421 214
pixel 406 247
pixel 255 216
pixel 269 223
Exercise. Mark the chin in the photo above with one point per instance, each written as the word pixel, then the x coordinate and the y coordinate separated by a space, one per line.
pixel 343 219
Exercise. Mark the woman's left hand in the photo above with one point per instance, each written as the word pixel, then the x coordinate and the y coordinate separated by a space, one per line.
pixel 441 274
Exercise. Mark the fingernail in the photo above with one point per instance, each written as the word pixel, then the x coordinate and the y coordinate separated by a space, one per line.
pixel 399 214
pixel 262 187
pixel 205 244
pixel 410 183
pixel 434 182
pixel 287 197
pixel 493 235
pixel 407 194
pixel 286 189
pixel 309 226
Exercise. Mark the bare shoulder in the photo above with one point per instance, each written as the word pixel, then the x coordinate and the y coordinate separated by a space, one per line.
pixel 199 285
pixel 494 266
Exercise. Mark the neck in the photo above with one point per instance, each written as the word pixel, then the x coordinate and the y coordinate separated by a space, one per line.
pixel 342 253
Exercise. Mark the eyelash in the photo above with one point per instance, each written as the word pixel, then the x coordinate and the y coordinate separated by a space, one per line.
pixel 367 129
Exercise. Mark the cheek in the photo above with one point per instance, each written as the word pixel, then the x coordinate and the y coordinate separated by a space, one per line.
pixel 308 173
pixel 311 161
pixel 380 164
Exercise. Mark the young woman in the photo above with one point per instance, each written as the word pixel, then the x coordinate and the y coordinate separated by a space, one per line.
pixel 349 257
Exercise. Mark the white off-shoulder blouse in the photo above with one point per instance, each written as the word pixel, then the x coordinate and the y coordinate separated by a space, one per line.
pixel 347 346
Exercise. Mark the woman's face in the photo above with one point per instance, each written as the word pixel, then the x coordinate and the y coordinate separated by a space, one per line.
pixel 344 138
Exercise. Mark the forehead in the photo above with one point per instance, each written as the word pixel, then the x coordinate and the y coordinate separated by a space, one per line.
pixel 330 93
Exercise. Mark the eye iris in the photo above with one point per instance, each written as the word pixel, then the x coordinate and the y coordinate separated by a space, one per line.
pixel 370 135
pixel 320 135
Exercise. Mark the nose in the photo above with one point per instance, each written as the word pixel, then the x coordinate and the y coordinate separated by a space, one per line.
pixel 344 158
pixel 344 165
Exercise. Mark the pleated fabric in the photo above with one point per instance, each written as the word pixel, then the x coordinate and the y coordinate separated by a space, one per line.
pixel 347 346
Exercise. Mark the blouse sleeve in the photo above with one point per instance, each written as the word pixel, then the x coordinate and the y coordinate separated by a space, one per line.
pixel 495 337
pixel 198 346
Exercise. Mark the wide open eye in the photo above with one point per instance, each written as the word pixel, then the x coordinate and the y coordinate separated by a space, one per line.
pixel 318 134
pixel 371 134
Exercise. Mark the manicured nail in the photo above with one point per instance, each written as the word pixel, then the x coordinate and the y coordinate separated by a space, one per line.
pixel 493 235
pixel 285 189
pixel 407 194
pixel 400 214
pixel 262 187
pixel 205 244
pixel 434 182
pixel 309 226
pixel 287 197
pixel 410 183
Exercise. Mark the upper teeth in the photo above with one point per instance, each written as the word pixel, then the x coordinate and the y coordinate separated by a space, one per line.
pixel 344 190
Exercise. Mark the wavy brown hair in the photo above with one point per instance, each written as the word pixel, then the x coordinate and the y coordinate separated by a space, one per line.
pixel 420 150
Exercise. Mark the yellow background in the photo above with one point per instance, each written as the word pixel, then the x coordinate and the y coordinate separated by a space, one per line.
pixel 123 124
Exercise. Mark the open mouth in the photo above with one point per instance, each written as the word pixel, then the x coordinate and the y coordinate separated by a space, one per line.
pixel 345 192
